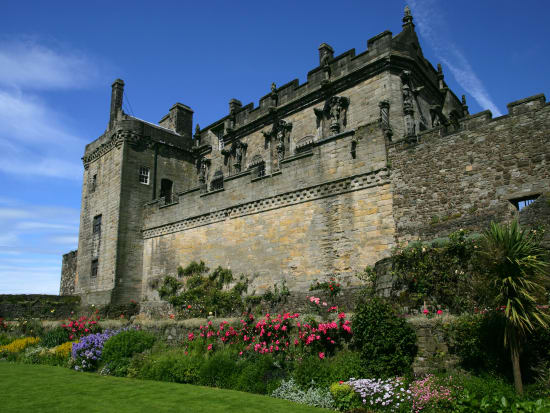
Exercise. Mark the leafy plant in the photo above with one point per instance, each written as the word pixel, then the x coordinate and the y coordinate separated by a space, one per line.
pixel 386 342
pixel 202 293
pixel 119 349
pixel 313 396
pixel 54 337
pixel 518 271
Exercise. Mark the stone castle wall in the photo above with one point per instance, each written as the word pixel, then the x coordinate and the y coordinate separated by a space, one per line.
pixel 467 179
pixel 68 273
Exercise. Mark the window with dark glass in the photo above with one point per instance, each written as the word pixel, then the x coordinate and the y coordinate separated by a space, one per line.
pixel 95 266
pixel 97 224
pixel 93 183
pixel 166 190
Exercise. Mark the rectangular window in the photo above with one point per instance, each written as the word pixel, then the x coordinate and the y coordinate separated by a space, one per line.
pixel 219 134
pixel 94 183
pixel 97 224
pixel 144 175
pixel 523 202
pixel 95 266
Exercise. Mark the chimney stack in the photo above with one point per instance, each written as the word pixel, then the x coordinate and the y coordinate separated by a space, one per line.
pixel 116 101
pixel 181 120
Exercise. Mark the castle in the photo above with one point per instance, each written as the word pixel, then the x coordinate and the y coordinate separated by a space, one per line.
pixel 321 178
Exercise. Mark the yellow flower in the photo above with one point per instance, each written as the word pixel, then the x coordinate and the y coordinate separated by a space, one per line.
pixel 19 345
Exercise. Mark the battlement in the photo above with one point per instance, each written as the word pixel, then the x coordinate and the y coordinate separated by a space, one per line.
pixel 484 118
pixel 384 52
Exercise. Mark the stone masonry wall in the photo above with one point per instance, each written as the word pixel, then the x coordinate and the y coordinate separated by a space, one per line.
pixel 467 179
pixel 325 212
pixel 68 273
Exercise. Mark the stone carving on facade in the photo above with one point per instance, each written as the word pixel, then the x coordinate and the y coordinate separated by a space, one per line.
pixel 326 55
pixel 257 163
pixel 408 105
pixel 333 117
pixel 237 149
pixel 203 164
pixel 280 136
pixel 385 119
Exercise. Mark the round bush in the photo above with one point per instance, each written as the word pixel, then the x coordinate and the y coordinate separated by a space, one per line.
pixel 118 349
pixel 386 342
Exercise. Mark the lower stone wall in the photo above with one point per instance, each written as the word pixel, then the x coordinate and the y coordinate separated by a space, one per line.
pixel 68 273
pixel 53 307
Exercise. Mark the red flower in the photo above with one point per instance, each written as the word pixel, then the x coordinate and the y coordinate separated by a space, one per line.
pixel 321 355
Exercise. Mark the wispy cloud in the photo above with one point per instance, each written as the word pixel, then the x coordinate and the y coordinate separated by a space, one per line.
pixel 34 137
pixel 27 64
pixel 32 241
pixel 434 29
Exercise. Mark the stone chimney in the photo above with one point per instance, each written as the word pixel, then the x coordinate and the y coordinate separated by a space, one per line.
pixel 116 101
pixel 181 119
pixel 234 105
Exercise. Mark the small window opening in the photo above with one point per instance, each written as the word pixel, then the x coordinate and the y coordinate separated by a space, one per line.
pixel 94 183
pixel 217 181
pixel 94 269
pixel 260 169
pixel 219 134
pixel 166 190
pixel 97 224
pixel 144 175
pixel 521 203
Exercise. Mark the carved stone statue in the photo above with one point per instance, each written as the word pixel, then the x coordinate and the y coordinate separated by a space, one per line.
pixel 237 150
pixel 333 114
pixel 280 133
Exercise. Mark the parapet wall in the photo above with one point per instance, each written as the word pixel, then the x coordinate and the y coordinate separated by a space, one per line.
pixel 469 178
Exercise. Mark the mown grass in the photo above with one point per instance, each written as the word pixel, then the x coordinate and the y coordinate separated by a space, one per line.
pixel 38 388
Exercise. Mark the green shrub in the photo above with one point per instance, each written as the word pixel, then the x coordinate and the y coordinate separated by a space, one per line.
pixel 119 349
pixel 489 394
pixel 172 366
pixel 345 398
pixel 387 343
pixel 477 340
pixel 5 339
pixel 54 337
pixel 323 372
pixel 220 370
pixel 259 375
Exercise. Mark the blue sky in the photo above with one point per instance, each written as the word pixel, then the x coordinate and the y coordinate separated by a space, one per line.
pixel 58 60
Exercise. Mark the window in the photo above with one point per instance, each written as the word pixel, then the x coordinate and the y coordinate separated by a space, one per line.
pixel 95 266
pixel 166 190
pixel 521 203
pixel 219 134
pixel 97 224
pixel 217 181
pixel 144 175
pixel 93 183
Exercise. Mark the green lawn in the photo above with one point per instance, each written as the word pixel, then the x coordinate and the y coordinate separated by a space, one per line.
pixel 38 388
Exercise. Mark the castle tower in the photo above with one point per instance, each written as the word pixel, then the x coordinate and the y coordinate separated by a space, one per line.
pixel 132 163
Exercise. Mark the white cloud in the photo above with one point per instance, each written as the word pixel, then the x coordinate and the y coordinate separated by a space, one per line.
pixel 34 137
pixel 435 30
pixel 26 64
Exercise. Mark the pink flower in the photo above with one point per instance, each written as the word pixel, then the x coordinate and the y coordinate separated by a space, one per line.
pixel 190 336
pixel 425 311
pixel 324 304
pixel 342 315
pixel 439 312
pixel 240 353
pixel 172 316
pixel 321 355
pixel 189 307
pixel 209 347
